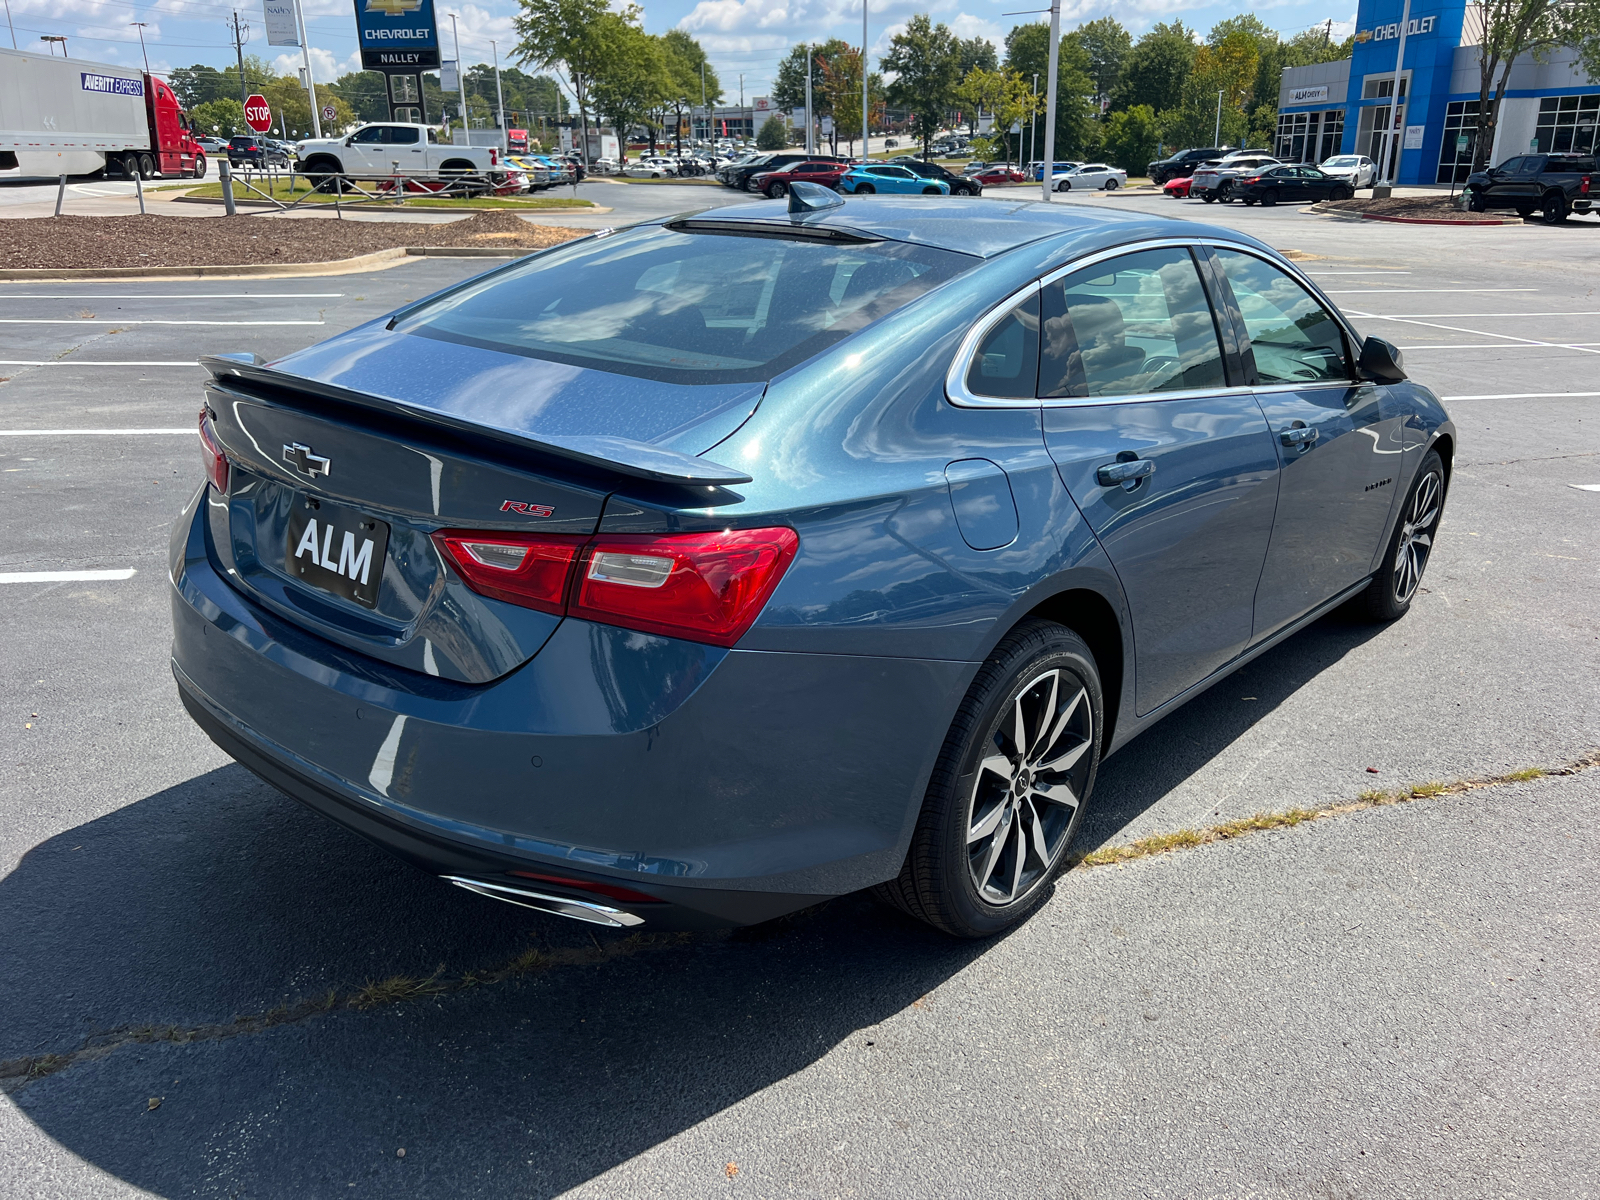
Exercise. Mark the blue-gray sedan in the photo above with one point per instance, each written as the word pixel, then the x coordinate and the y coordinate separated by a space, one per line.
pixel 692 573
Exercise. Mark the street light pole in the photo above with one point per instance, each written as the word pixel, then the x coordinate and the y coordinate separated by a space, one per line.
pixel 810 144
pixel 1217 139
pixel 1033 120
pixel 311 85
pixel 865 134
pixel 1396 112
pixel 461 84
pixel 10 26
pixel 1047 174
pixel 499 93
pixel 136 24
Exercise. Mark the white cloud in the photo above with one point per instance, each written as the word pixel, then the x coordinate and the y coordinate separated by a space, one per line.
pixel 325 68
pixel 728 16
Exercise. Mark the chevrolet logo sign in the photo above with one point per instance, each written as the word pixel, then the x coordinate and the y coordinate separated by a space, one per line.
pixel 1364 35
pixel 301 459
pixel 393 8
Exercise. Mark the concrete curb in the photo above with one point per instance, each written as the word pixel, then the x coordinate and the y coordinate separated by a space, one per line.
pixel 1345 215
pixel 380 206
pixel 379 260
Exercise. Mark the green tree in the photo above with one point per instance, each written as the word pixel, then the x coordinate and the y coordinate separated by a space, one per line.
pixel 1006 95
pixel 575 35
pixel 364 92
pixel 1108 45
pixel 924 59
pixel 630 80
pixel 773 134
pixel 789 85
pixel 1156 69
pixel 975 52
pixel 1133 139
pixel 1512 28
pixel 222 117
pixel 838 86
pixel 1028 53
pixel 199 84
pixel 689 76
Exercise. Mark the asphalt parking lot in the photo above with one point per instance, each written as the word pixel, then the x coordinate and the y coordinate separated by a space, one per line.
pixel 1401 1001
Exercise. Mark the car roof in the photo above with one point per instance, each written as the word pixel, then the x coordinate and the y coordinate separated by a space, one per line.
pixel 985 230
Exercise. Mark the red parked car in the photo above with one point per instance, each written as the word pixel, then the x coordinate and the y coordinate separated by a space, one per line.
pixel 1178 189
pixel 776 183
pixel 990 176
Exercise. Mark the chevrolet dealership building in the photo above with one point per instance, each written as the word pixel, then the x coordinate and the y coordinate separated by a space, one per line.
pixel 1345 107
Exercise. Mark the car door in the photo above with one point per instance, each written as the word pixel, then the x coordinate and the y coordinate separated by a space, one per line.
pixel 1338 439
pixel 1169 461
pixel 364 150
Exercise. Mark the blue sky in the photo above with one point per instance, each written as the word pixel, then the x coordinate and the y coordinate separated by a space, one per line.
pixel 748 36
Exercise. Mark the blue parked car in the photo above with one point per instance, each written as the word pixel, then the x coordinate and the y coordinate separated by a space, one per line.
pixel 891 179
pixel 1059 169
pixel 689 574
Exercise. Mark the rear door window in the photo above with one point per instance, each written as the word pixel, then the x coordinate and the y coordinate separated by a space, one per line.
pixel 1293 338
pixel 1006 364
pixel 400 135
pixel 1128 327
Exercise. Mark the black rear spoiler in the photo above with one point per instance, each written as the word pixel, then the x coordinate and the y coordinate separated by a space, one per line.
pixel 622 456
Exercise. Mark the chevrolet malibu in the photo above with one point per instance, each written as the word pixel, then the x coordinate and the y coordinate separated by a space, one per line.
pixel 690 574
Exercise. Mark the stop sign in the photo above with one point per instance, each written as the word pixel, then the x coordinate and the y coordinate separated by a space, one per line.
pixel 256 113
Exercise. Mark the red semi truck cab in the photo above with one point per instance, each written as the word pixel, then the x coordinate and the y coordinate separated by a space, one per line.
pixel 172 142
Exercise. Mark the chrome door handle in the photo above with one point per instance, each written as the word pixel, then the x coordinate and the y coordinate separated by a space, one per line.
pixel 1302 436
pixel 1124 472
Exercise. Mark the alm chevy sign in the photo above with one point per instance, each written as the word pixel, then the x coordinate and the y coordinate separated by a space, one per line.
pixel 1308 95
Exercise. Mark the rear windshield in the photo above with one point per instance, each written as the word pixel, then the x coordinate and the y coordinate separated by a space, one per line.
pixel 687 306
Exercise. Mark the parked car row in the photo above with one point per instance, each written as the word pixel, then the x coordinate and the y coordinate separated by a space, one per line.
pixel 1252 176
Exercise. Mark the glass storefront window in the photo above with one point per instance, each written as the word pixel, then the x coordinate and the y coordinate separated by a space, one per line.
pixel 1309 137
pixel 1567 124
pixel 1460 120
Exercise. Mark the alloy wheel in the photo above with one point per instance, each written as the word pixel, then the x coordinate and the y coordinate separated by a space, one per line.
pixel 1028 790
pixel 1416 536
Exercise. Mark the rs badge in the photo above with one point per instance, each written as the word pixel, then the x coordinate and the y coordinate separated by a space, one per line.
pixel 526 509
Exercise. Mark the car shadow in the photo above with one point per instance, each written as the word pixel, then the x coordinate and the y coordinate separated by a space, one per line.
pixel 133 942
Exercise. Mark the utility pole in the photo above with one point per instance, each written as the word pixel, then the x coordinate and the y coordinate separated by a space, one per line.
pixel 10 26
pixel 741 89
pixel 499 93
pixel 811 147
pixel 461 82
pixel 1033 121
pixel 1396 135
pixel 137 24
pixel 1047 173
pixel 1217 140
pixel 241 34
pixel 305 57
pixel 865 143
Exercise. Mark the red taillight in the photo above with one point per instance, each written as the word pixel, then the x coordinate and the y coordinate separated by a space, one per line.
pixel 216 462
pixel 707 587
pixel 1583 188
pixel 526 569
pixel 1252 179
pixel 704 587
pixel 609 890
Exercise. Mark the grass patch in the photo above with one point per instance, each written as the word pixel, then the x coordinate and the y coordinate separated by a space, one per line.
pixel 287 190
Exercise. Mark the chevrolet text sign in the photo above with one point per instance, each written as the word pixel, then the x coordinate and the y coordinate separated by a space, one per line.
pixel 397 35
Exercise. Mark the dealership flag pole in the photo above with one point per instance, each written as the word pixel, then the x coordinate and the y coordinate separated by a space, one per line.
pixel 1047 173
pixel 311 86
pixel 461 84
pixel 1396 112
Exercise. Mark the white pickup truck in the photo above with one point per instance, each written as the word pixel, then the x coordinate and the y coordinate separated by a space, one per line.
pixel 372 151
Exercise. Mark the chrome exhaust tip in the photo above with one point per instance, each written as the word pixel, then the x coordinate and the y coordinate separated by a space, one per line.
pixel 561 906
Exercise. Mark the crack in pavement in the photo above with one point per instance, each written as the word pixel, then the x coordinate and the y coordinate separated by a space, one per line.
pixel 18 1073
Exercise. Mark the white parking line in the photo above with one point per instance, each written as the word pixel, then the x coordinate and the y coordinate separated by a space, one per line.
pixel 177 296
pixel 190 431
pixel 1502 346
pixel 1527 396
pixel 1370 271
pixel 97 362
pixel 93 321
pixel 1454 316
pixel 1580 347
pixel 63 576
pixel 1586 487
pixel 1421 291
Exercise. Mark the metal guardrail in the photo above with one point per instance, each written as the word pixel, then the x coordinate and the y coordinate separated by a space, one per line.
pixel 393 189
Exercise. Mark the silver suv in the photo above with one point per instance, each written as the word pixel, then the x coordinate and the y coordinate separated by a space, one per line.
pixel 1214 180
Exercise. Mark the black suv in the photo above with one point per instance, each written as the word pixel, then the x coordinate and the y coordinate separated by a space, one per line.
pixel 250 150
pixel 738 178
pixel 960 185
pixel 1181 164
pixel 1554 185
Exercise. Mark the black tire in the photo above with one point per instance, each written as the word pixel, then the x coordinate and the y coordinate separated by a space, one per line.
pixel 1343 193
pixel 147 167
pixel 777 190
pixel 865 189
pixel 1247 201
pixel 1269 197
pixel 1388 597
pixel 1064 185
pixel 1111 185
pixel 199 166
pixel 930 191
pixel 1555 208
pixel 954 882
pixel 1475 202
pixel 1208 197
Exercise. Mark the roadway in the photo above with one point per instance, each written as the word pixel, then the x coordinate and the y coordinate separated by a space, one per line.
pixel 1399 1001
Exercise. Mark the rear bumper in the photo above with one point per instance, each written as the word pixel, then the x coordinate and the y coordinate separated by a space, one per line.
pixel 732 785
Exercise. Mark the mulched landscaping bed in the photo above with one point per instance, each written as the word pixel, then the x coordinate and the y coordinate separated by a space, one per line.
pixel 55 243
pixel 1416 208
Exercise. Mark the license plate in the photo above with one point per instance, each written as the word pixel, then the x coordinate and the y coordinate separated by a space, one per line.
pixel 336 549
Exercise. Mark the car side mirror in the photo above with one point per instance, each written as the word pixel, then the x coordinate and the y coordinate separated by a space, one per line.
pixel 1381 361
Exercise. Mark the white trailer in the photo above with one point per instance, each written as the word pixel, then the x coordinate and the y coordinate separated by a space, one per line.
pixel 61 116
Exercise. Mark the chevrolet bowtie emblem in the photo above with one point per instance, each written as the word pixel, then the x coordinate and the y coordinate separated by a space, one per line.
pixel 301 459
pixel 393 8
